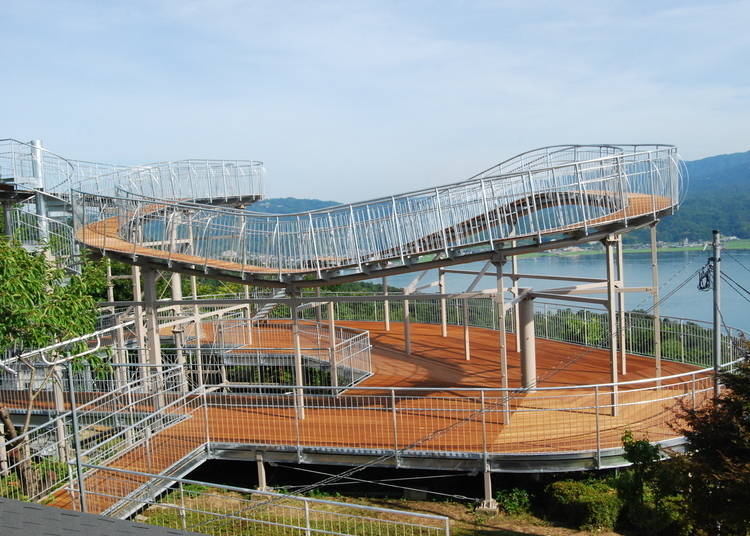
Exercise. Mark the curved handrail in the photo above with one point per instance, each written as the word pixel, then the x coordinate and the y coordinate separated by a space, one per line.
pixel 544 192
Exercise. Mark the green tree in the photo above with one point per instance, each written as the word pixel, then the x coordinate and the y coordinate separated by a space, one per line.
pixel 718 459
pixel 40 305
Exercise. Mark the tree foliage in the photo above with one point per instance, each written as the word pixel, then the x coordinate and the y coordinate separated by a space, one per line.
pixel 718 459
pixel 41 304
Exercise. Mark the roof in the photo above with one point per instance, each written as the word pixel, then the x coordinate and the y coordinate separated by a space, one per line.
pixel 22 519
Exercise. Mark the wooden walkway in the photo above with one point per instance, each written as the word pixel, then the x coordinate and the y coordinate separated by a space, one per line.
pixel 449 419
pixel 105 234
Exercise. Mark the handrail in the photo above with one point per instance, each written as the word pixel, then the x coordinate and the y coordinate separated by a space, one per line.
pixel 455 216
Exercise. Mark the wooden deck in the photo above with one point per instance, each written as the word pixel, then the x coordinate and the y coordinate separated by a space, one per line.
pixel 447 421
pixel 105 235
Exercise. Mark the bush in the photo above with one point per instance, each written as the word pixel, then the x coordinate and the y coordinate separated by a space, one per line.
pixel 590 505
pixel 513 501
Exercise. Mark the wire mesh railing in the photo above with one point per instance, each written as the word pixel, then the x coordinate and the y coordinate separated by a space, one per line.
pixel 35 231
pixel 575 193
pixel 222 510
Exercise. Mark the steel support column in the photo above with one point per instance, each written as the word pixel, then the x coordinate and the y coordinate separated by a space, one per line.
pixel 299 378
pixel 386 306
pixel 443 304
pixel 655 296
pixel 332 344
pixel 467 343
pixel 612 317
pixel 502 340
pixel 407 328
pixel 621 306
pixel 528 343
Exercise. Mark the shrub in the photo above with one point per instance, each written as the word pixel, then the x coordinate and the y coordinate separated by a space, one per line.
pixel 513 501
pixel 590 505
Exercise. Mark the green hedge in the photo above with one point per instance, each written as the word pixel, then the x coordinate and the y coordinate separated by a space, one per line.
pixel 589 505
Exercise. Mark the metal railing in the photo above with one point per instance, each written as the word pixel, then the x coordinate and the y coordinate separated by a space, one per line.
pixel 222 510
pixel 581 189
pixel 459 422
pixel 35 231
pixel 682 340
pixel 212 181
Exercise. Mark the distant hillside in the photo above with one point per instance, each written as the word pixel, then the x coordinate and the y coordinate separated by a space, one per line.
pixel 718 197
pixel 289 205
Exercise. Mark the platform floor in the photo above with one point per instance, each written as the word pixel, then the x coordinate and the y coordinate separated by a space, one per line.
pixel 449 421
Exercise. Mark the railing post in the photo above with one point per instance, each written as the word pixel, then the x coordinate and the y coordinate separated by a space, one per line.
pixel 76 438
pixel 655 295
pixel 395 426
pixel 183 522
pixel 307 517
pixel 484 431
pixel 598 429
pixel 443 309
pixel 693 380
pixel 386 306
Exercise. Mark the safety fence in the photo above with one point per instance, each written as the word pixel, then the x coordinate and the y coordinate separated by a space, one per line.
pixel 38 232
pixel 581 188
pixel 222 510
pixel 682 340
pixel 456 422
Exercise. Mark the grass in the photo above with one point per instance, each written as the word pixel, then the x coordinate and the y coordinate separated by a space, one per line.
pixel 464 519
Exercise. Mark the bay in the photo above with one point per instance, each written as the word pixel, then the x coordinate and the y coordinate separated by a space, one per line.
pixel 674 269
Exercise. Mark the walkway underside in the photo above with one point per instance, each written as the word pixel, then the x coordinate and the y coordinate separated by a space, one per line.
pixel 450 427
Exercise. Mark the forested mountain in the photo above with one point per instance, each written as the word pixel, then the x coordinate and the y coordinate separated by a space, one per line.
pixel 717 196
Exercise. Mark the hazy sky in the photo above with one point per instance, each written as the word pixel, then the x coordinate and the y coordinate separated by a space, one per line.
pixel 351 100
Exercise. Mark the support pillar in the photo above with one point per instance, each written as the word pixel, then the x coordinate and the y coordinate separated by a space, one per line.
pixel 121 353
pixel 502 341
pixel 140 329
pixel 249 315
pixel 299 380
pixel 152 319
pixel 407 328
pixel 621 307
pixel 59 399
pixel 489 503
pixel 198 330
pixel 514 291
pixel 37 171
pixel 153 342
pixel 612 317
pixel 332 345
pixel 7 219
pixel 467 344
pixel 443 304
pixel 262 483
pixel 655 295
pixel 386 306
pixel 528 343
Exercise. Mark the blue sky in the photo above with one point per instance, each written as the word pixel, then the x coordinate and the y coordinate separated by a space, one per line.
pixel 351 100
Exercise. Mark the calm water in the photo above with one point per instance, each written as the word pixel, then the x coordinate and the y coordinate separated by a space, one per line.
pixel 674 268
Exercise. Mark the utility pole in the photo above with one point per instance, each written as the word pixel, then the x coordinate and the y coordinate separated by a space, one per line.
pixel 717 309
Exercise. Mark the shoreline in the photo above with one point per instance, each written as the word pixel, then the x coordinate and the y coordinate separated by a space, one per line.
pixel 736 245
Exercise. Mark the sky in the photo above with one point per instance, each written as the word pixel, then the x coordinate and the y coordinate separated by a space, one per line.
pixel 353 100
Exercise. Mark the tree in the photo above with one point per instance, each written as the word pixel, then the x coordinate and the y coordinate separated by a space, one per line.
pixel 40 305
pixel 718 459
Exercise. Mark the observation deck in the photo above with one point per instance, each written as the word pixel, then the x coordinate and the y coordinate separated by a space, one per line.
pixel 547 198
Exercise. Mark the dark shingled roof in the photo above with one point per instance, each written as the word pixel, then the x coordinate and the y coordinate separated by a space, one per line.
pixel 29 519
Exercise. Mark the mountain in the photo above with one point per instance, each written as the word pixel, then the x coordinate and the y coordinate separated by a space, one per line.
pixel 716 196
